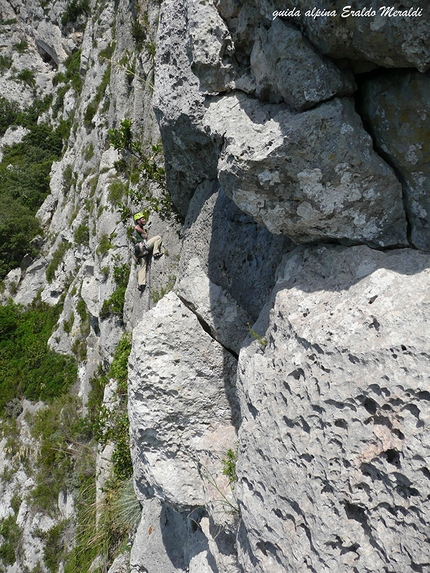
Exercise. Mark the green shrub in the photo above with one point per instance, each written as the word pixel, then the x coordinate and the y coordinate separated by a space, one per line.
pixel 107 53
pixel 112 425
pixel 74 10
pixel 64 127
pixel 81 309
pixel 21 47
pixel 151 48
pixel 57 257
pixel 55 545
pixel 118 512
pixel 117 191
pixel 82 234
pixel 11 533
pixel 27 77
pixel 229 466
pixel 24 183
pixel 133 162
pixel 69 178
pixel 105 244
pixel 119 366
pixel 114 305
pixel 27 367
pixel 5 63
pixel 92 107
pixel 68 324
pixel 90 112
pixel 71 77
pixel 103 528
pixel 88 151
pixel 59 102
pixel 18 226
pixel 30 116
pixel 93 182
pixel 139 34
pixel 73 70
pixel 8 111
pixel 62 458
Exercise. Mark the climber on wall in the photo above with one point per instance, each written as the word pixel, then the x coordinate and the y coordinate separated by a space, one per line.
pixel 144 247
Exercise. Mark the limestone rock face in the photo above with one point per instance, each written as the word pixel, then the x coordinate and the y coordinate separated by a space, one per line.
pixel 210 47
pixel 168 541
pixel 49 39
pixel 218 309
pixel 172 437
pixel 341 389
pixel 374 38
pixel 397 108
pixel 227 265
pixel 311 176
pixel 311 360
pixel 183 412
pixel 288 68
pixel 179 105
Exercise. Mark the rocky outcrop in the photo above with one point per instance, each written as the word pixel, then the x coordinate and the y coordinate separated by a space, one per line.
pixel 226 256
pixel 370 33
pixel 288 68
pixel 340 386
pixel 311 176
pixel 183 413
pixel 396 108
pixel 326 480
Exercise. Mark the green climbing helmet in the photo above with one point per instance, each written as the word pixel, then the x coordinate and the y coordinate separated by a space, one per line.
pixel 138 215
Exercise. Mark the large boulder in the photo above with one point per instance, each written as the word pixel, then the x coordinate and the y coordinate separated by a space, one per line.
pixel 338 378
pixel 312 176
pixel 50 40
pixel 182 406
pixel 183 411
pixel 397 107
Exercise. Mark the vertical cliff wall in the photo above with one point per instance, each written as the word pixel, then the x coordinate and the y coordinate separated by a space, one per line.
pixel 286 325
pixel 296 131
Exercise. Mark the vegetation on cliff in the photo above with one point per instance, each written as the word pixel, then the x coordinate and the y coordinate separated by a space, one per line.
pixel 24 179
pixel 28 369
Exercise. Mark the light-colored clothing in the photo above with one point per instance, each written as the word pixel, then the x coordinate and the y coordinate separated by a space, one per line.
pixel 154 246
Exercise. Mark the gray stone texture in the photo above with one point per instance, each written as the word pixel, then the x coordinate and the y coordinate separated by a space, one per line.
pixel 226 320
pixel 178 105
pixel 183 412
pixel 192 425
pixel 263 143
pixel 237 255
pixel 397 108
pixel 391 42
pixel 311 176
pixel 210 47
pixel 170 541
pixel 341 389
pixel 288 68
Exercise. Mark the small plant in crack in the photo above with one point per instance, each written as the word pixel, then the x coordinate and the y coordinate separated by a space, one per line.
pixel 262 340
pixel 229 466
